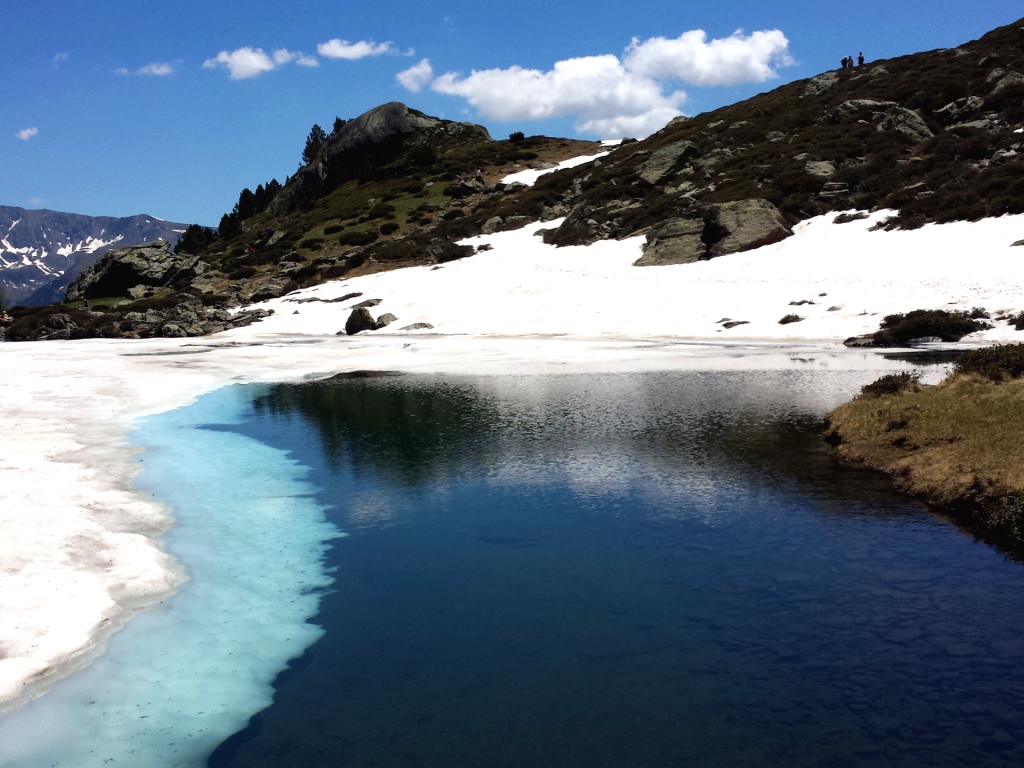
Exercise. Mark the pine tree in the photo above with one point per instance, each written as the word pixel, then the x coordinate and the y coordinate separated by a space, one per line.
pixel 316 139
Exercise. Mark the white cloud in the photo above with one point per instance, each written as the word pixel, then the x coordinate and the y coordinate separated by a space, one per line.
pixel 612 96
pixel 249 62
pixel 59 59
pixel 343 49
pixel 156 69
pixel 242 63
pixel 417 76
pixel 27 133
pixel 693 59
pixel 598 90
pixel 36 202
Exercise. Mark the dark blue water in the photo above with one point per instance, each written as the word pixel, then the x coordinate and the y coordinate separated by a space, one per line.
pixel 629 570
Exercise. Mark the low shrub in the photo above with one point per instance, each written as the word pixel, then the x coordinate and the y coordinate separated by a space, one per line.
pixel 389 227
pixel 996 363
pixel 899 329
pixel 787 319
pixel 312 243
pixel 891 384
pixel 242 273
pixel 358 238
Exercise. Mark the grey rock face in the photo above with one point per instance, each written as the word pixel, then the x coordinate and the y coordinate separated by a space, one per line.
pixel 384 320
pixel 886 115
pixel 1010 78
pixel 677 241
pixel 271 288
pixel 153 265
pixel 723 228
pixel 821 84
pixel 957 110
pixel 663 162
pixel 748 223
pixel 820 168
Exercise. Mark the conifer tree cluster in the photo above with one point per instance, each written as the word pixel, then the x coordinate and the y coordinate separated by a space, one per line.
pixel 249 204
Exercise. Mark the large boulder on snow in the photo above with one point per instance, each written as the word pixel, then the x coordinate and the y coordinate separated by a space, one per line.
pixel 677 241
pixel 720 229
pixel 744 224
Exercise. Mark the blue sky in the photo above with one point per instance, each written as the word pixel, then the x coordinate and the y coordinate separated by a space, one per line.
pixel 119 107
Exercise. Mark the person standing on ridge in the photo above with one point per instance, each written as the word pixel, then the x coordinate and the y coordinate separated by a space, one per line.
pixel 860 59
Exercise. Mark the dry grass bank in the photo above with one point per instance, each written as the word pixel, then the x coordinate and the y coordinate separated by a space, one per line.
pixel 958 445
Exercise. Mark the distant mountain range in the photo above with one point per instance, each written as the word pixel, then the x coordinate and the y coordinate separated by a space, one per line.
pixel 42 251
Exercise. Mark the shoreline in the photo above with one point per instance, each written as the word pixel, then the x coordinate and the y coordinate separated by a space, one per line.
pixel 951 445
pixel 522 307
pixel 93 474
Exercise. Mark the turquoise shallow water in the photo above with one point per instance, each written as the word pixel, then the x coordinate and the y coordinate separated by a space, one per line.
pixel 595 570
pixel 181 677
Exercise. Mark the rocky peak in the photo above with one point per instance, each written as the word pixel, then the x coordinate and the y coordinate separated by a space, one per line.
pixel 374 138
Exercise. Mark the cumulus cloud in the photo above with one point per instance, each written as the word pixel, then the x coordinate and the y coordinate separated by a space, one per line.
pixel 416 77
pixel 693 59
pixel 343 49
pixel 614 96
pixel 242 63
pixel 247 62
pixel 598 90
pixel 27 133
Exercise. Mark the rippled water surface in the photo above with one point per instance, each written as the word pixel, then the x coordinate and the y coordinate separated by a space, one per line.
pixel 629 570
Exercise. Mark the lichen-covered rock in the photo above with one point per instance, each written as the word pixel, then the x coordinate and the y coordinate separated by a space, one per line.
pixel 820 168
pixel 662 162
pixel 677 241
pixel 821 84
pixel 747 224
pixel 886 115
pixel 384 320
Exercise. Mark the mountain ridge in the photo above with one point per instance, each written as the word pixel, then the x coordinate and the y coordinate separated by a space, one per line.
pixel 41 250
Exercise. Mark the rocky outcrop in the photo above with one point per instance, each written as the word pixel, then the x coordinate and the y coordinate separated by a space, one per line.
pixel 720 229
pixel 153 265
pixel 821 84
pixel 886 115
pixel 745 224
pixel 661 163
pixel 187 317
pixel 374 137
pixel 677 241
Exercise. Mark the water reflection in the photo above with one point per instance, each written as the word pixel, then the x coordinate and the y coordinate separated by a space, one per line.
pixel 655 569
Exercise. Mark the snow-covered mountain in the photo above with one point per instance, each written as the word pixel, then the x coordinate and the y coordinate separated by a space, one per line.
pixel 42 251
